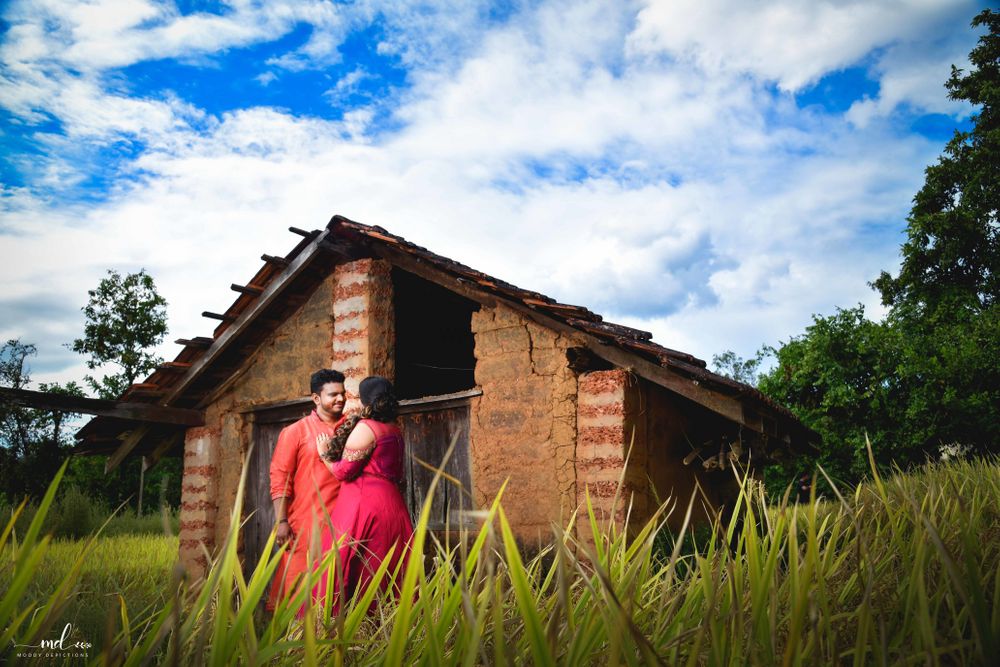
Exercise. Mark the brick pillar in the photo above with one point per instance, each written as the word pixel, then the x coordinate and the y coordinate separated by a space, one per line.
pixel 610 418
pixel 364 327
pixel 199 498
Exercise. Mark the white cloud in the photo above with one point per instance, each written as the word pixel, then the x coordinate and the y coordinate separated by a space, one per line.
pixel 794 43
pixel 557 149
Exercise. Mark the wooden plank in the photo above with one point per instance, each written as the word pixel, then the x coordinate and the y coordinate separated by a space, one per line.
pixel 726 406
pixel 428 435
pixel 198 341
pixel 173 366
pixel 303 401
pixel 250 290
pixel 258 508
pixel 267 297
pixel 142 412
pixel 277 261
pixel 165 446
pixel 148 393
pixel 439 402
pixel 126 447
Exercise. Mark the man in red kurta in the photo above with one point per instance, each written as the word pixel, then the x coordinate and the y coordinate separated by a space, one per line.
pixel 302 488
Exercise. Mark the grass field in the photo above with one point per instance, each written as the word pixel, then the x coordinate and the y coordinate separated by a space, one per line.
pixel 904 570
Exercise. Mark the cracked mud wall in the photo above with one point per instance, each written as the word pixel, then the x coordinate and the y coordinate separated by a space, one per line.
pixel 524 424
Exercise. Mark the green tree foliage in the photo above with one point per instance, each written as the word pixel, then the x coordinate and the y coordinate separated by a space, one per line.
pixel 929 375
pixel 125 317
pixel 839 378
pixel 945 297
pixel 33 443
pixel 735 367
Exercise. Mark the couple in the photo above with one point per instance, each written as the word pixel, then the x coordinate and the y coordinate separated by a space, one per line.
pixel 350 468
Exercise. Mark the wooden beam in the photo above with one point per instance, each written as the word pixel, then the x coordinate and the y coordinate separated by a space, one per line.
pixel 148 393
pixel 344 250
pixel 727 406
pixel 173 366
pixel 249 290
pixel 126 447
pixel 143 412
pixel 254 310
pixel 165 446
pixel 217 316
pixel 302 232
pixel 277 261
pixel 198 341
pixel 439 402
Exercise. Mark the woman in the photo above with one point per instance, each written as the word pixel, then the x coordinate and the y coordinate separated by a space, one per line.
pixel 370 517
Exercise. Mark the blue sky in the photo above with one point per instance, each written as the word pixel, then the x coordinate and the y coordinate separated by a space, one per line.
pixel 714 171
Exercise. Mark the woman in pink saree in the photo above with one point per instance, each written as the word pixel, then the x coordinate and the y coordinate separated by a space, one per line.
pixel 370 517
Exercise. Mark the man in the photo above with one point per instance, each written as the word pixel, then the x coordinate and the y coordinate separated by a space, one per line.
pixel 302 488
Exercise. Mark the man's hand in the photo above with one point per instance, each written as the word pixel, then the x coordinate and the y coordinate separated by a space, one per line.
pixel 284 533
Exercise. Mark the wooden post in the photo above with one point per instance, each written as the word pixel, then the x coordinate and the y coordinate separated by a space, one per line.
pixel 142 480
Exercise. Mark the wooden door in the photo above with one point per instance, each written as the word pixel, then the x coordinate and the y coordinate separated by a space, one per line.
pixel 429 425
pixel 258 510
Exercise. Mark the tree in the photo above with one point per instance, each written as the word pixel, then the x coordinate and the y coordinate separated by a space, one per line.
pixel 951 258
pixel 839 379
pixel 16 425
pixel 125 317
pixel 737 368
pixel 945 297
pixel 928 376
pixel 33 443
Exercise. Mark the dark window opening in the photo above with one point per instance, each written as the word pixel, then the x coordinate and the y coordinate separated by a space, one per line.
pixel 434 342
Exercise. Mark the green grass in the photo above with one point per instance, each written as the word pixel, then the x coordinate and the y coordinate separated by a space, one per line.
pixel 120 567
pixel 904 570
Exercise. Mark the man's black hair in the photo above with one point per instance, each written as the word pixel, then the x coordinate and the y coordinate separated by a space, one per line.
pixel 324 376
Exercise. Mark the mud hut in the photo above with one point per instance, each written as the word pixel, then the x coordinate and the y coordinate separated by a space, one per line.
pixel 546 395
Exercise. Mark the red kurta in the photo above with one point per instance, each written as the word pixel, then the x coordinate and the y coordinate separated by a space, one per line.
pixel 298 473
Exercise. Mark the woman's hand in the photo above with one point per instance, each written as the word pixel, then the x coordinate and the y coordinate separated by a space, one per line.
pixel 323 443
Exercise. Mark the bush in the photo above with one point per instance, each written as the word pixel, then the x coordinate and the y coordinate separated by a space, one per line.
pixel 75 515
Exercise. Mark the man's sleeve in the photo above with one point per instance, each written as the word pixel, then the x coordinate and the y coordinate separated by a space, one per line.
pixel 283 463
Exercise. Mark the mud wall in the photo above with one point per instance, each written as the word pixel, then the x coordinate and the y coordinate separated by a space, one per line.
pixel 524 424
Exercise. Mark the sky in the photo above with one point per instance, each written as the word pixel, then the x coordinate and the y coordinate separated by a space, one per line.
pixel 713 171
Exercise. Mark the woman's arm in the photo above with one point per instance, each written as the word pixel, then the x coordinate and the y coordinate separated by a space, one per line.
pixel 357 450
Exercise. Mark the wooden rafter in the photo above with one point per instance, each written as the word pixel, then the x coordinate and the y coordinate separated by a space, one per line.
pixel 277 261
pixel 133 439
pixel 250 290
pixel 143 412
pixel 270 294
pixel 165 446
pixel 197 341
